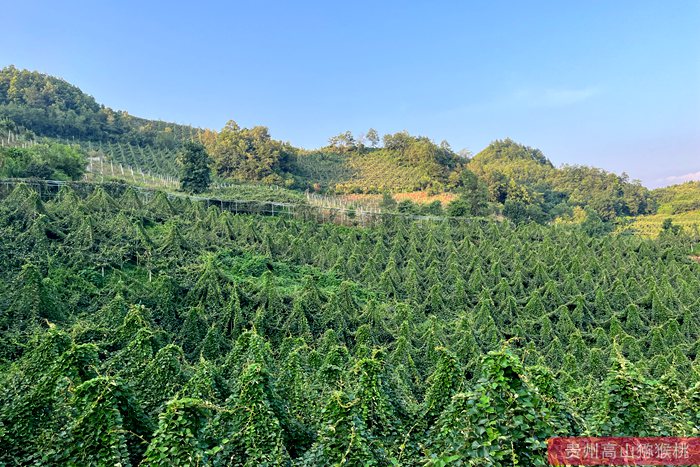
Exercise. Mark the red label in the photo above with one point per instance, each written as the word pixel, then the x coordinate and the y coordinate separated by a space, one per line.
pixel 623 451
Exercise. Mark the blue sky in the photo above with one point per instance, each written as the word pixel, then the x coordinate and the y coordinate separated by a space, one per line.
pixel 609 83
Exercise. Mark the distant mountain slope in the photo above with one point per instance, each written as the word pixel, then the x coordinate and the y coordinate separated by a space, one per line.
pixel 516 161
pixel 406 163
pixel 679 203
pixel 419 168
pixel 677 199
pixel 50 106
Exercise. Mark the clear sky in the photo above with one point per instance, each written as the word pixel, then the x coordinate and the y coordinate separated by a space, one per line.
pixel 609 83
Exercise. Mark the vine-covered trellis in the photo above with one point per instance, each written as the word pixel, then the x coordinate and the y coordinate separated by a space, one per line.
pixel 141 328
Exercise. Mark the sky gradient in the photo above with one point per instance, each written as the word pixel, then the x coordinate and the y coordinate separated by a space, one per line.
pixel 614 84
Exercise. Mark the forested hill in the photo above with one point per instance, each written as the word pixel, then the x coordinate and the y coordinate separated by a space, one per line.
pixel 505 179
pixel 522 178
pixel 50 106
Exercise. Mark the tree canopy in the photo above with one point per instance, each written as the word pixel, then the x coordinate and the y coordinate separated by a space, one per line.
pixel 195 170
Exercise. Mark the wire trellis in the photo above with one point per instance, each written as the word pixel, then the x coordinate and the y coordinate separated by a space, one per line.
pixel 48 189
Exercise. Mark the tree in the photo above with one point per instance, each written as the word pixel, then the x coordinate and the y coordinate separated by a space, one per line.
pixel 465 154
pixel 502 421
pixel 195 173
pixel 249 153
pixel 473 197
pixel 373 137
pixel 398 141
pixel 343 141
pixel 594 225
pixel 49 161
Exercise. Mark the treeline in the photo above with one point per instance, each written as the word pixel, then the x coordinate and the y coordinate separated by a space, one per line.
pixel 505 179
pixel 252 155
pixel 164 332
pixel 52 107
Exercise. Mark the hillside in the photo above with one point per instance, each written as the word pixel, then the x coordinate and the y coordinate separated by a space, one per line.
pixel 388 247
pixel 678 199
pixel 523 164
pixel 405 163
pixel 529 187
pixel 505 179
pixel 50 106
pixel 679 203
pixel 153 330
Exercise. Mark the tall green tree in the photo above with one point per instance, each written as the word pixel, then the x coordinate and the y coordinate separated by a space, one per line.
pixel 195 170
pixel 373 137
pixel 473 197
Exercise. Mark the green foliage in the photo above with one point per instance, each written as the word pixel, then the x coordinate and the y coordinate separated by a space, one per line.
pixel 195 175
pixel 50 106
pixel 668 228
pixel 531 189
pixel 162 331
pixel 472 200
pixel 442 384
pixel 405 163
pixel 51 161
pixel 161 378
pixel 248 154
pixel 255 192
pixel 513 179
pixel 593 225
pixel 678 199
pixel 158 330
pixel 343 437
pixel 249 430
pixel 107 423
pixel 502 421
pixel 631 404
pixel 609 195
pixel 180 437
pixel 388 203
